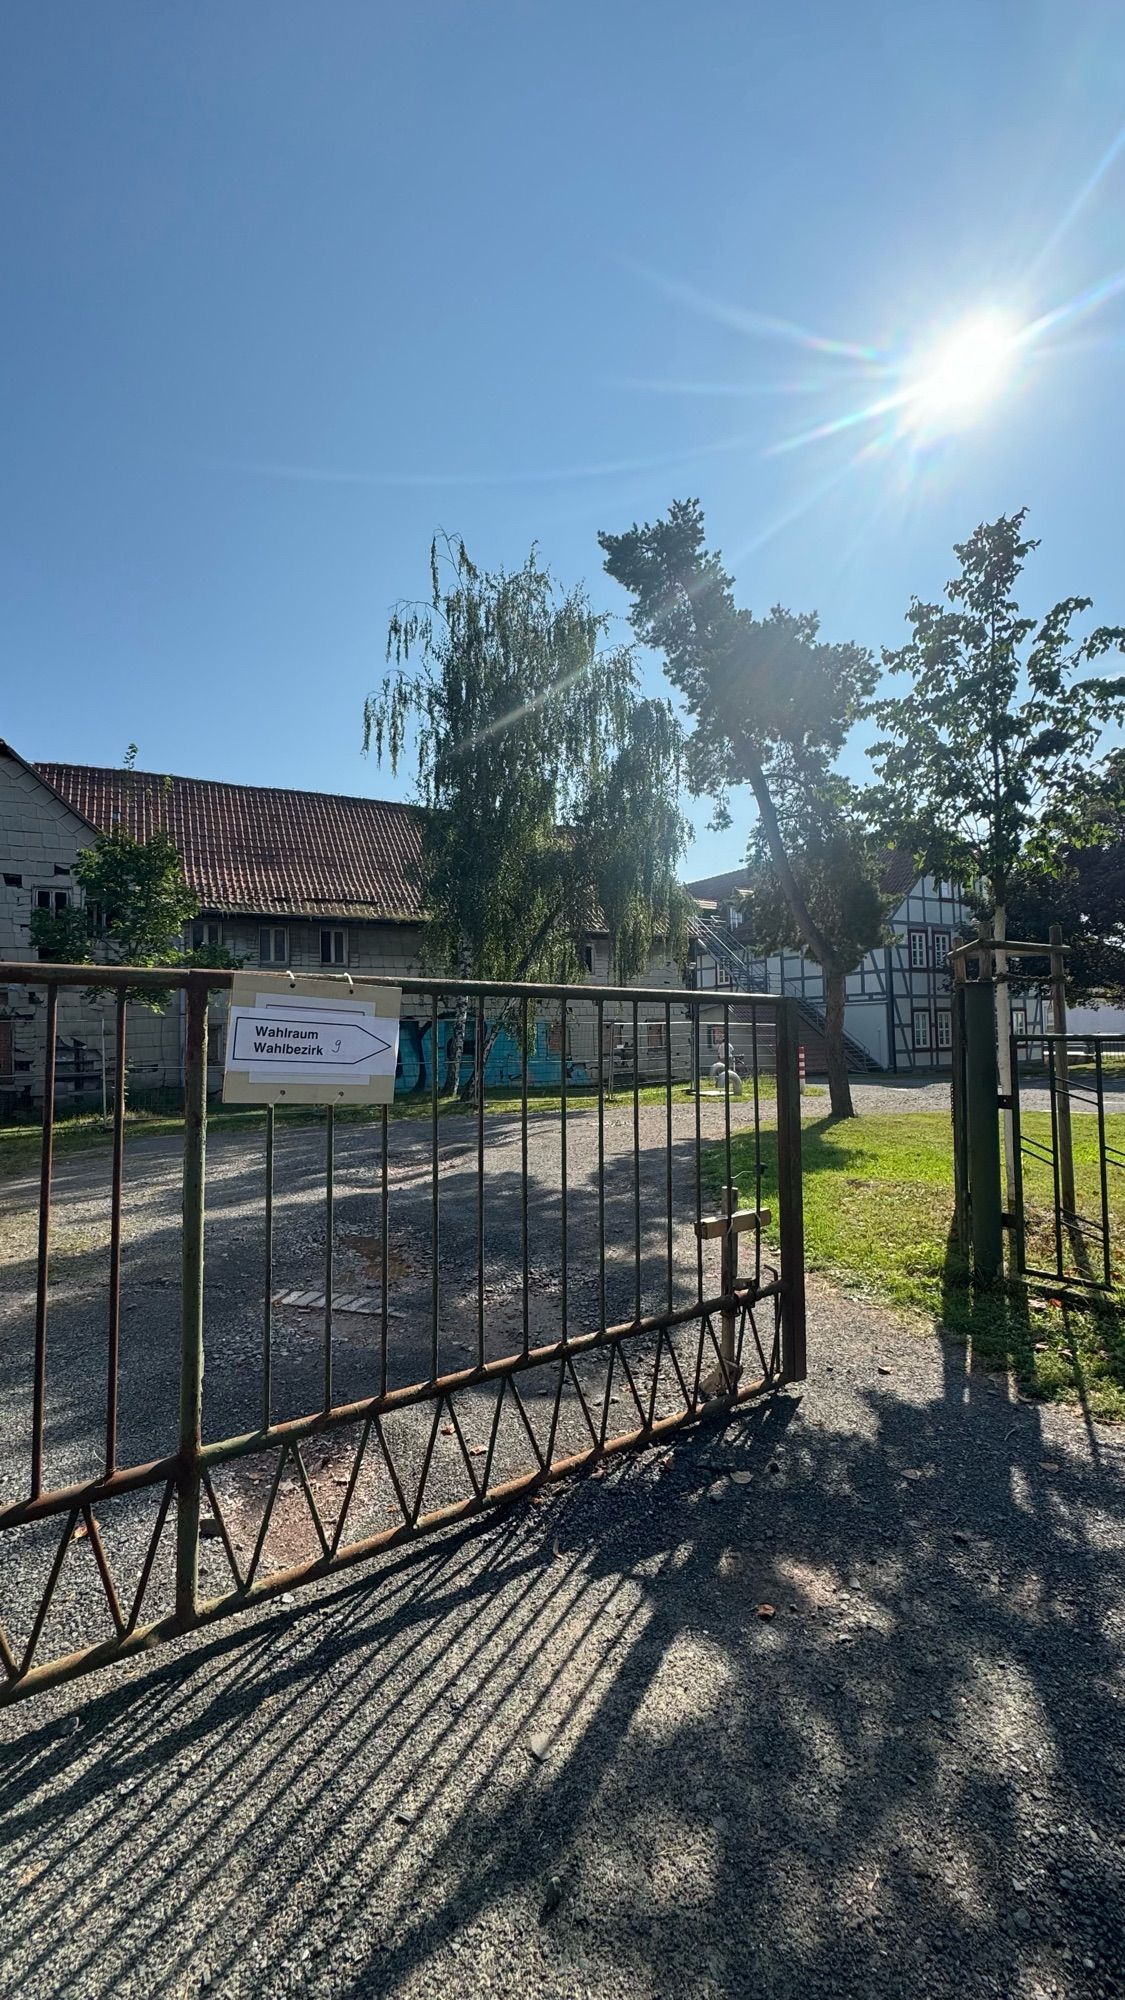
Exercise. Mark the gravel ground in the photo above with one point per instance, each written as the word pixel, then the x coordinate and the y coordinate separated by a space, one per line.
pixel 561 1752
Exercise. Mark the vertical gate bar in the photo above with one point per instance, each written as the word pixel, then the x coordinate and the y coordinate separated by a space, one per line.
pixel 191 1300
pixel 668 1143
pixel 39 1393
pixel 959 1108
pixel 523 1169
pixel 480 1181
pixel 698 1150
pixel 790 1214
pixel 384 1251
pixel 728 1177
pixel 983 1155
pixel 267 1313
pixel 637 1158
pixel 601 1163
pixel 562 1170
pixel 727 1282
pixel 114 1332
pixel 435 1300
pixel 1058 1014
pixel 1019 1220
pixel 329 1234
pixel 757 1140
pixel 1052 1073
pixel 1099 1085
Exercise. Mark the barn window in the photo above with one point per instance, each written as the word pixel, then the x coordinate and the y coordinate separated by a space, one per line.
pixel 273 945
pixel 334 947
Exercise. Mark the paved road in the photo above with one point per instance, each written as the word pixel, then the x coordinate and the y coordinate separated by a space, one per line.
pixel 562 1755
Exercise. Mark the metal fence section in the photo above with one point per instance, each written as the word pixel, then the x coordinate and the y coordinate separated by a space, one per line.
pixel 1065 1156
pixel 240 1360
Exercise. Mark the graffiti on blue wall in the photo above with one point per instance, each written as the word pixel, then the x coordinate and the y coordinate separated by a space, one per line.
pixel 503 1067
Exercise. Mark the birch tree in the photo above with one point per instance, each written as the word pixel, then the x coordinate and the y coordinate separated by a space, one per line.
pixel 527 731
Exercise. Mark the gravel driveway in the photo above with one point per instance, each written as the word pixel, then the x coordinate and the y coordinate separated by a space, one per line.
pixel 561 1753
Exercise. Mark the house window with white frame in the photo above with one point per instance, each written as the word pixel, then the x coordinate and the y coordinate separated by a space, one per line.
pixel 919 957
pixel 205 931
pixel 942 941
pixel 52 899
pixel 273 944
pixel 657 1035
pixel 921 1028
pixel 944 1028
pixel 334 947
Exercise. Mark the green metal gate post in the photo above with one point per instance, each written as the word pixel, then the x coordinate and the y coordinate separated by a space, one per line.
pixel 790 1210
pixel 982 1087
pixel 191 1307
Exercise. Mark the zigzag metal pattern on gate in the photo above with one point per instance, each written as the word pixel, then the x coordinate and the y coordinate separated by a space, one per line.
pixel 97 1567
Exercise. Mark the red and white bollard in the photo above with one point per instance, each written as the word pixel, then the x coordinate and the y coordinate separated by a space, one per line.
pixel 801 1064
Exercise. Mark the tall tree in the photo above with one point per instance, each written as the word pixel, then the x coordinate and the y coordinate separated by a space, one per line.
pixel 997 729
pixel 527 732
pixel 771 704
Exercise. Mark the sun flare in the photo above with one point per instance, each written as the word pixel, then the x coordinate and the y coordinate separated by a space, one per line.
pixel 957 380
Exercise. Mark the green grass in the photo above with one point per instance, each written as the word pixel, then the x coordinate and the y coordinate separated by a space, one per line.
pixel 158 1117
pixel 878 1220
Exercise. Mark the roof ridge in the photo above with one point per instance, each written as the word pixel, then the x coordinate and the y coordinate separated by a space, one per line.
pixel 122 775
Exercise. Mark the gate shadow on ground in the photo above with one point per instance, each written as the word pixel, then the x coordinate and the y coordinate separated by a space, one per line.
pixel 884 1789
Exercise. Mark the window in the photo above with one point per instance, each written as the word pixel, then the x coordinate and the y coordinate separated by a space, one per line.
pixel 734 916
pixel 588 957
pixel 921 1028
pixel 13 881
pixel 942 942
pixel 216 1044
pixel 1019 1021
pixel 944 1028
pixel 52 899
pixel 722 973
pixel 206 933
pixel 333 947
pixel 6 1049
pixel 918 956
pixel 715 1035
pixel 273 945
pixel 657 1037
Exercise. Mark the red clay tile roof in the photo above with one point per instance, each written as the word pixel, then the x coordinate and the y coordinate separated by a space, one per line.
pixel 260 850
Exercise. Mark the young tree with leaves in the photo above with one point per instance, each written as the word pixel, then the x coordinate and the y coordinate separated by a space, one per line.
pixel 136 904
pixel 771 703
pixel 1074 875
pixel 997 731
pixel 527 734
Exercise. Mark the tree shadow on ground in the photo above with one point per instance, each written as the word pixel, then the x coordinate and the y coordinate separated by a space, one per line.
pixel 563 1753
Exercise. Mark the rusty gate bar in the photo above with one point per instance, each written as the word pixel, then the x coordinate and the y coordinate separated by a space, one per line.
pixel 191 1302
pixel 663 1385
pixel 40 1394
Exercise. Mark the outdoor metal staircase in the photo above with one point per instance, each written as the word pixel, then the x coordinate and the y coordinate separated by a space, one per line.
pixel 749 975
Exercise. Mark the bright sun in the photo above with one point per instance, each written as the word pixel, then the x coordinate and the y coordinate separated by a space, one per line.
pixel 964 373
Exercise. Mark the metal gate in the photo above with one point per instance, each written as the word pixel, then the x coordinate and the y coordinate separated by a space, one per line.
pixel 1067 1155
pixel 407 1316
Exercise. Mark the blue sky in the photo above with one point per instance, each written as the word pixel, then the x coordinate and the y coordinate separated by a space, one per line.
pixel 289 287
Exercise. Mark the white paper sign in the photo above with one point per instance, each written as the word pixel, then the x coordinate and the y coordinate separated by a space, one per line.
pixel 309 1041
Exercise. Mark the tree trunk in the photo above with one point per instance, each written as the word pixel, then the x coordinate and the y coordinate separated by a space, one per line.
pixel 455 1049
pixel 814 939
pixel 839 1088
